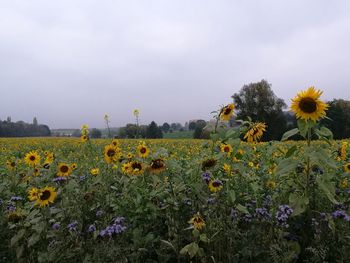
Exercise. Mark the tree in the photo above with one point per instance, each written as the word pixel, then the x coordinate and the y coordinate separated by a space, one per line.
pixel 339 118
pixel 192 125
pixel 35 121
pixel 165 127
pixel 198 131
pixel 153 131
pixel 95 133
pixel 258 101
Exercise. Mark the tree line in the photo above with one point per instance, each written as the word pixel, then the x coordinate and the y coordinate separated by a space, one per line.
pixel 22 129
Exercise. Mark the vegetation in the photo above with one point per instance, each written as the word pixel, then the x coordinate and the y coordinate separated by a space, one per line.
pixel 22 129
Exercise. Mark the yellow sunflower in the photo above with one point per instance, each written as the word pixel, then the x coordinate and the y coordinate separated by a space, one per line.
pixel 84 138
pixel 342 152
pixel 226 148
pixel 126 168
pixel 307 105
pixel 32 158
pixel 157 166
pixel 33 194
pixel 95 171
pixel 143 150
pixel 226 112
pixel 255 132
pixel 344 184
pixel 197 222
pixel 11 165
pixel 347 167
pixel 215 186
pixel 111 153
pixel 136 168
pixel 46 196
pixel 63 169
pixel 271 184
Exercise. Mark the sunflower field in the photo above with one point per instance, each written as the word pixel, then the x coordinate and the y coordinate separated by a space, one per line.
pixel 228 199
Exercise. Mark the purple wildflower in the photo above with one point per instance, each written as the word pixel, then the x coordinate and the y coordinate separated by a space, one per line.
pixel 56 226
pixel 16 198
pixel 10 208
pixel 91 228
pixel 206 176
pixel 282 215
pixel 73 226
pixel 262 213
pixel 59 179
pixel 99 213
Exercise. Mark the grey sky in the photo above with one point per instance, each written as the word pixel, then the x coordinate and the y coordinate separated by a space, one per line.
pixel 69 62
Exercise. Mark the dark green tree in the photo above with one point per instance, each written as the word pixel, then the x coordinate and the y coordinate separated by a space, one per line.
pixel 165 127
pixel 259 102
pixel 95 133
pixel 192 125
pixel 339 118
pixel 153 131
pixel 198 131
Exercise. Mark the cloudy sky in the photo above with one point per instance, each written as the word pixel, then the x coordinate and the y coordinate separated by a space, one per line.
pixel 69 62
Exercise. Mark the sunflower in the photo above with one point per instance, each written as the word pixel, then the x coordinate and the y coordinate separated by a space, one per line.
pixel 136 168
pixel 136 112
pixel 227 169
pixel 344 184
pixel 36 172
pixel 226 112
pixel 197 222
pixel 347 167
pixel 33 194
pixel 111 153
pixel 208 163
pixel 11 165
pixel 74 166
pixel 126 168
pixel 143 150
pixel 63 169
pixel 215 186
pixel 115 142
pixel 50 157
pixel 255 132
pixel 307 106
pixel 46 196
pixel 271 184
pixel 95 171
pixel 32 158
pixel 226 148
pixel 84 138
pixel 342 152
pixel 157 166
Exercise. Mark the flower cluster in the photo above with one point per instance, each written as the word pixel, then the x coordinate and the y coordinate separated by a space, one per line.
pixel 117 227
pixel 282 215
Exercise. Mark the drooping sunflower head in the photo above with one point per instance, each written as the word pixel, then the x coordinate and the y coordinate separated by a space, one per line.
pixel 215 186
pixel 64 169
pixel 347 167
pixel 46 196
pixel 255 131
pixel 197 222
pixel 208 163
pixel 342 152
pixel 226 148
pixel 227 112
pixel 142 150
pixel 307 105
pixel 32 158
pixel 157 166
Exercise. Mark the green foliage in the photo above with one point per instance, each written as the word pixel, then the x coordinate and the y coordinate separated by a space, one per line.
pixel 22 129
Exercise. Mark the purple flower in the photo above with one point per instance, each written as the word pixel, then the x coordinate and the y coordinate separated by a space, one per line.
pixel 10 208
pixel 116 228
pixel 73 226
pixel 282 215
pixel 339 214
pixel 262 213
pixel 59 179
pixel 56 226
pixel 91 228
pixel 99 213
pixel 82 178
pixel 16 198
pixel 206 176
pixel 119 220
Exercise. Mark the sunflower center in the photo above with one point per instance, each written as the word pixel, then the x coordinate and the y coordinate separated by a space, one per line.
pixel 227 149
pixel 13 164
pixel 157 164
pixel 143 150
pixel 137 166
pixel 45 195
pixel 308 105
pixel 348 166
pixel 110 153
pixel 32 158
pixel 64 168
pixel 227 111
pixel 216 184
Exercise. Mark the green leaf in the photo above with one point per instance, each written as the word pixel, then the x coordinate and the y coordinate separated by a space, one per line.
pixel 242 209
pixel 17 237
pixel 303 127
pixel 286 166
pixel 232 196
pixel 169 244
pixel 193 249
pixel 33 239
pixel 204 238
pixel 328 189
pixel 290 151
pixel 298 202
pixel 289 134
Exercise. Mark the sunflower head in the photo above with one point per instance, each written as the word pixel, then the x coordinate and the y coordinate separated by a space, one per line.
pixel 11 165
pixel 197 222
pixel 226 112
pixel 307 105
pixel 33 194
pixel 46 196
pixel 208 163
pixel 347 167
pixel 255 131
pixel 142 150
pixel 136 168
pixel 215 186
pixel 84 138
pixel 64 169
pixel 157 166
pixel 226 148
pixel 32 158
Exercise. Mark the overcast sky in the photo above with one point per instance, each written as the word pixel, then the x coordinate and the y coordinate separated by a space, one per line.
pixel 68 62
